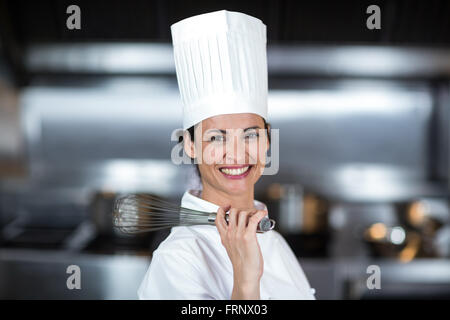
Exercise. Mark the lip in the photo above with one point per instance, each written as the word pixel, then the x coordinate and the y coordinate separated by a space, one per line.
pixel 236 167
pixel 233 177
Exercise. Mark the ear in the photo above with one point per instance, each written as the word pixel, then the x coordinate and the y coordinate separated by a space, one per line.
pixel 188 144
pixel 268 134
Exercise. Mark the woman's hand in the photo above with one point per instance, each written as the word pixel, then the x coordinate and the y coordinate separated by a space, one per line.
pixel 239 239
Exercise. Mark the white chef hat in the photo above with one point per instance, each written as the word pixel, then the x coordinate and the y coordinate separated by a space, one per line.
pixel 221 65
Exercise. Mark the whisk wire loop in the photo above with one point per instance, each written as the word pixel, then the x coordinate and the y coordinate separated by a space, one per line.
pixel 138 213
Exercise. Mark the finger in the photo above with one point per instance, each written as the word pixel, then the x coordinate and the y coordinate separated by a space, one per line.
pixel 242 221
pixel 232 218
pixel 252 212
pixel 244 217
pixel 254 221
pixel 220 222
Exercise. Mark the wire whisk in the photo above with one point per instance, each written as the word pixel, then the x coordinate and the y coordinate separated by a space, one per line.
pixel 137 213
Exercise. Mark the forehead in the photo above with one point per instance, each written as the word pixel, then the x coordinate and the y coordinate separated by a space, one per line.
pixel 233 121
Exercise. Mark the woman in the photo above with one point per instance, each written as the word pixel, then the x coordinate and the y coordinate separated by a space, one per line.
pixel 220 60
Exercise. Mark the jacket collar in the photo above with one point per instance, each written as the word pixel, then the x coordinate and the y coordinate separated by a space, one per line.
pixel 191 200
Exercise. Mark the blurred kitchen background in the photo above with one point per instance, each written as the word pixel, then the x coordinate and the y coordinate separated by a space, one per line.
pixel 364 118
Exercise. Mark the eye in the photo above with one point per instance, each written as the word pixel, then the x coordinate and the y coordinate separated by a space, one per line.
pixel 217 138
pixel 252 135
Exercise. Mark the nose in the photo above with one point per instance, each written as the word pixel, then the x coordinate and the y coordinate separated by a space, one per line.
pixel 235 152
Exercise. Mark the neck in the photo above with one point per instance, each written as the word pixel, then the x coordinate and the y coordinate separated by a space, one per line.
pixel 223 199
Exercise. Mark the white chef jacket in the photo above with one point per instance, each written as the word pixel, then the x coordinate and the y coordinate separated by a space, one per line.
pixel 192 263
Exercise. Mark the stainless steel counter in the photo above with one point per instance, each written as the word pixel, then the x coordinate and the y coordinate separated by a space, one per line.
pixel 38 274
pixel 29 274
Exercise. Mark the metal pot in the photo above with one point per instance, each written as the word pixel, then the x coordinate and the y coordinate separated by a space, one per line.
pixel 298 211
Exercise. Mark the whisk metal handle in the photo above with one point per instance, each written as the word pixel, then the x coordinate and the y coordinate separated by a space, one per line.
pixel 264 225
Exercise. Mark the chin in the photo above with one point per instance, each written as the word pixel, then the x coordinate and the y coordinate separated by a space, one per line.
pixel 238 188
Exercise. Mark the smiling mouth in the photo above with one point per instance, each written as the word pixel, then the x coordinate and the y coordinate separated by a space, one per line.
pixel 235 172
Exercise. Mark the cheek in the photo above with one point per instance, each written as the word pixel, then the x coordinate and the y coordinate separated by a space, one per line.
pixel 212 153
pixel 257 151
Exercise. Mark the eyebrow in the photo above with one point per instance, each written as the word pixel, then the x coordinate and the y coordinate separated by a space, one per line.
pixel 246 129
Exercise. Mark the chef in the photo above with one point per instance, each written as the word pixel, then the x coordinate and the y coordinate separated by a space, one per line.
pixel 221 67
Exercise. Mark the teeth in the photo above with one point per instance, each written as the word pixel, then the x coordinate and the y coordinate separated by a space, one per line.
pixel 234 172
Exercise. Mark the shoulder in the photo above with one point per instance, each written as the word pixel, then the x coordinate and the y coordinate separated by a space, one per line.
pixel 276 236
pixel 184 239
pixel 277 248
pixel 189 250
pixel 177 269
pixel 272 237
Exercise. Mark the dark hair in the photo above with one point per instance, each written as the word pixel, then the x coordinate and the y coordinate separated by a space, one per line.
pixel 192 137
